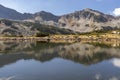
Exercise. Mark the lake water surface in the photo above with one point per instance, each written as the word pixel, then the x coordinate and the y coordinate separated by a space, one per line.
pixel 59 61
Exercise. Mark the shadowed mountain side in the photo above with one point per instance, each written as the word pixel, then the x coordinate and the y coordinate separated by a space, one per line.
pixel 81 53
pixel 8 13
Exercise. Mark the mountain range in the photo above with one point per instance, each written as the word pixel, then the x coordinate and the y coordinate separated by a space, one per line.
pixel 86 20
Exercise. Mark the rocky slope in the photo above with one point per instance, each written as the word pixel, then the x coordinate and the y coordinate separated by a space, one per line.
pixel 19 28
pixel 86 20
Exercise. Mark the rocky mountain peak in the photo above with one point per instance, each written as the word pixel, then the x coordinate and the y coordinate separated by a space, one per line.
pixel 91 11
pixel 87 9
pixel 88 14
pixel 87 20
pixel 47 16
pixel 42 13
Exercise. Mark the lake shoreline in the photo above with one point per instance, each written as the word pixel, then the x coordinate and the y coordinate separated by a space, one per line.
pixel 61 39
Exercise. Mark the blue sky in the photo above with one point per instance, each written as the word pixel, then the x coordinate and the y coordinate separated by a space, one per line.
pixel 60 7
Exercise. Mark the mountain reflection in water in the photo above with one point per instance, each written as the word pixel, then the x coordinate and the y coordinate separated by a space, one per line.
pixel 82 53
pixel 87 55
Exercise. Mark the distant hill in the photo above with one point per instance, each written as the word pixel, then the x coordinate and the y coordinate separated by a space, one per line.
pixel 8 13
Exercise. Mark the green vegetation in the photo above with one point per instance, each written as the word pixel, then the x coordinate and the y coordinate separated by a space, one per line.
pixel 98 32
pixel 40 34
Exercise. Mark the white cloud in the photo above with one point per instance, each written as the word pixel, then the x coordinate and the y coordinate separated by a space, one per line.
pixel 116 12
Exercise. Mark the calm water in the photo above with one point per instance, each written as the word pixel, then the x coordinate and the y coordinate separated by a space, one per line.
pixel 53 61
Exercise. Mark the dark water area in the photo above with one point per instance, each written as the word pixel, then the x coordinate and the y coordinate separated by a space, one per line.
pixel 59 61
